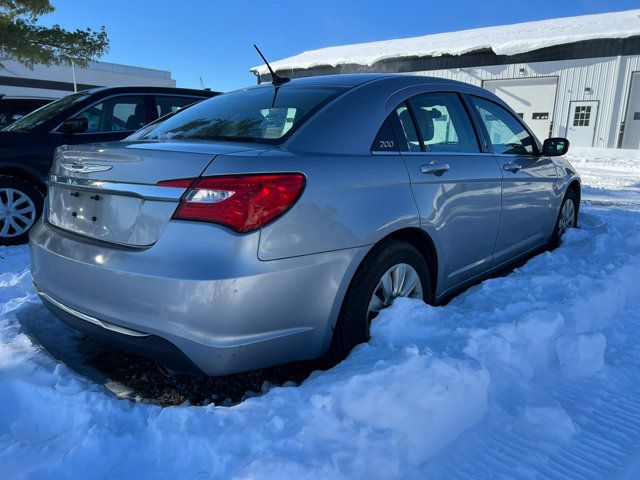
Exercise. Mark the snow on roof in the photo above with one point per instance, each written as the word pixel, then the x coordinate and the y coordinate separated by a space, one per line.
pixel 503 40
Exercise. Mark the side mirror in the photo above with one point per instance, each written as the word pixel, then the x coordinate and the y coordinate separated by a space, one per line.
pixel 74 125
pixel 554 147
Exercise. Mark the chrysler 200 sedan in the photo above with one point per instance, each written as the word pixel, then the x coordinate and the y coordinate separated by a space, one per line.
pixel 272 224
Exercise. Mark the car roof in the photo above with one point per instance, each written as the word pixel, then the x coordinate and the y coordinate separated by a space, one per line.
pixel 370 99
pixel 355 79
pixel 152 89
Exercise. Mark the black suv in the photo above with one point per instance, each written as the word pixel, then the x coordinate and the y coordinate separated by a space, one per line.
pixel 96 115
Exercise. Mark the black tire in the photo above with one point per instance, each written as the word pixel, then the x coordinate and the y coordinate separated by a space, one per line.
pixel 352 327
pixel 556 236
pixel 15 183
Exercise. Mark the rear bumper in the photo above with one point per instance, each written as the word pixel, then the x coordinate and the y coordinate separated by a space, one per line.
pixel 150 346
pixel 200 291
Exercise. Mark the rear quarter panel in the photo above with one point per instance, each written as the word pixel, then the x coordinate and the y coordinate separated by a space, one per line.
pixel 349 201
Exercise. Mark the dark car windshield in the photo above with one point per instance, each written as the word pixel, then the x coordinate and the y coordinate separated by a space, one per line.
pixel 41 115
pixel 263 115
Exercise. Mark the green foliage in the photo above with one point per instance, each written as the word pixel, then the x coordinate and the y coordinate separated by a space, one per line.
pixel 22 39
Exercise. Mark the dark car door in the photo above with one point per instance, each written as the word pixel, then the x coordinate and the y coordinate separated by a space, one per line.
pixel 528 179
pixel 456 185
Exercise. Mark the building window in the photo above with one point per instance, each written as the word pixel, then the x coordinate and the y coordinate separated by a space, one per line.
pixel 581 116
pixel 540 116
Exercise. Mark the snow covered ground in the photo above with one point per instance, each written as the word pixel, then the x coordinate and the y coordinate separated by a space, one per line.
pixel 531 375
pixel 610 177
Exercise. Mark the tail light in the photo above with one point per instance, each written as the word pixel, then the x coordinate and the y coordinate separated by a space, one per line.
pixel 243 202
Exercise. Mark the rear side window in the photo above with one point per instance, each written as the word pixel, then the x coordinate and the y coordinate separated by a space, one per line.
pixel 506 133
pixel 166 104
pixel 443 123
pixel 265 114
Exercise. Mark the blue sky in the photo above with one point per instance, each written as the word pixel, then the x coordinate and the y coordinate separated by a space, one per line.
pixel 213 39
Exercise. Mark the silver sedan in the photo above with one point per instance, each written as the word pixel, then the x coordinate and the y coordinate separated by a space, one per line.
pixel 273 223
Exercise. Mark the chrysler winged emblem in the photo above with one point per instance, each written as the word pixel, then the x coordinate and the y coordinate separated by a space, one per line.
pixel 78 167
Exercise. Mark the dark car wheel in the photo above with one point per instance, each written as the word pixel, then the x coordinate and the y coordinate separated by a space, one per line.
pixel 567 218
pixel 20 207
pixel 391 270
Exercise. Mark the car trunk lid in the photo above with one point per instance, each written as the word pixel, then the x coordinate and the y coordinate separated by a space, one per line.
pixel 109 192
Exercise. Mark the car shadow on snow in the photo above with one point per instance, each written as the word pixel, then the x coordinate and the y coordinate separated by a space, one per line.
pixel 133 377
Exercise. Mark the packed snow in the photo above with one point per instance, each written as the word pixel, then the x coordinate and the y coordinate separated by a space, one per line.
pixel 502 40
pixel 533 374
pixel 609 177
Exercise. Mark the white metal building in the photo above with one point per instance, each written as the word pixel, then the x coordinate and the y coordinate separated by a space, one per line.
pixel 56 81
pixel 576 77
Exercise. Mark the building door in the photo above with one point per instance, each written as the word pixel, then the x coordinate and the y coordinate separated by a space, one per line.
pixel 581 126
pixel 631 138
pixel 533 99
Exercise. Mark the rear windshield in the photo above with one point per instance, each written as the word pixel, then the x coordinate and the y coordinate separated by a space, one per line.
pixel 265 115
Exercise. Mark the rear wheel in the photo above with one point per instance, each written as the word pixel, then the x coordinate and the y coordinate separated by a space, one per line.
pixel 391 270
pixel 20 207
pixel 567 218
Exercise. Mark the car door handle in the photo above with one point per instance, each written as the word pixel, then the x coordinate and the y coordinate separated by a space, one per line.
pixel 512 167
pixel 434 168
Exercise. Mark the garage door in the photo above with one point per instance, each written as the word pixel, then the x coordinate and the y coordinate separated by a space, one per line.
pixel 631 138
pixel 533 100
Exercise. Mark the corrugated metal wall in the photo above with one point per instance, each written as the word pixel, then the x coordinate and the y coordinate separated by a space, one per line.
pixel 606 80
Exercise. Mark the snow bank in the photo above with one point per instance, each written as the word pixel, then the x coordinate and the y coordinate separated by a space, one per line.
pixel 502 40
pixel 529 375
pixel 581 354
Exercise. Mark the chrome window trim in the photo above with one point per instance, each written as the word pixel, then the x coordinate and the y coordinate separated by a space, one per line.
pixel 511 155
pixel 146 192
pixel 457 154
pixel 382 152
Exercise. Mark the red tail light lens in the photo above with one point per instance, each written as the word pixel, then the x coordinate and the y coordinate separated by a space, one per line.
pixel 243 202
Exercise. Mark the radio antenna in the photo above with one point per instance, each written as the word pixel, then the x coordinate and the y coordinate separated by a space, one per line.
pixel 276 79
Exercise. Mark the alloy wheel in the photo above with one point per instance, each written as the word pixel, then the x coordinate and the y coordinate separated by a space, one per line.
pixel 567 217
pixel 401 280
pixel 17 212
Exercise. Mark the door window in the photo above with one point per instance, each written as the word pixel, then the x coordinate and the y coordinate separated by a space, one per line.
pixel 408 128
pixel 443 123
pixel 115 114
pixel 167 104
pixel 506 133
pixel 582 116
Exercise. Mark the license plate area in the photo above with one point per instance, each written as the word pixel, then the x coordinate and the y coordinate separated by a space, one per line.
pixel 84 206
pixel 99 215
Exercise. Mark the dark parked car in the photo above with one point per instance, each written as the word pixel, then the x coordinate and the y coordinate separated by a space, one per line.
pixel 95 115
pixel 13 108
